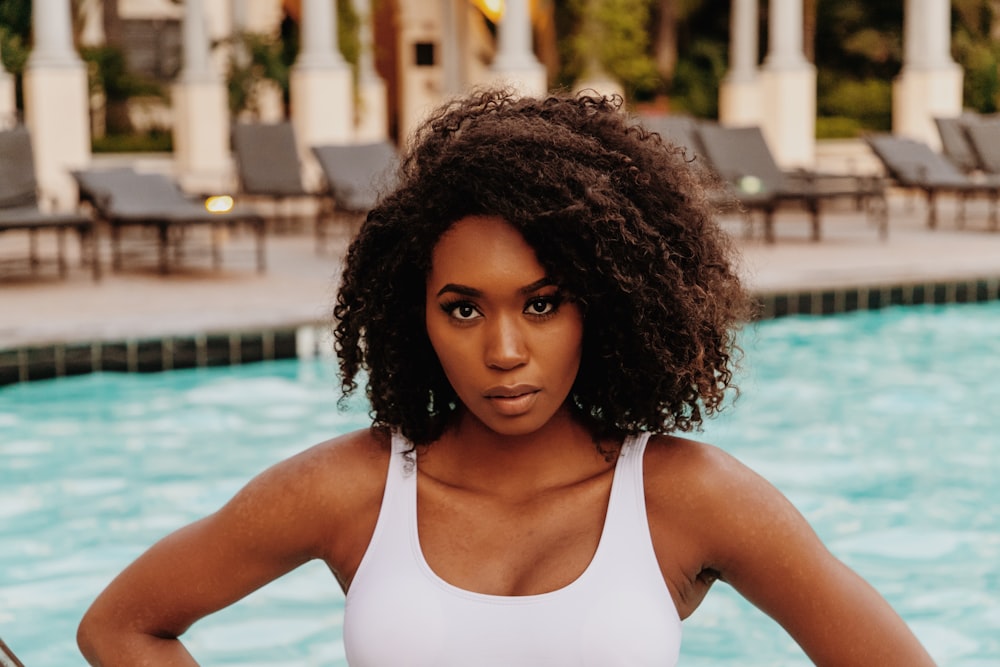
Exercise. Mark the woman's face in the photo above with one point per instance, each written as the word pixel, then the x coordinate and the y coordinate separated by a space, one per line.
pixel 508 339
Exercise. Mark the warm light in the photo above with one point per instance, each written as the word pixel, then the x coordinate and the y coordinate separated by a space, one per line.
pixel 492 9
pixel 219 204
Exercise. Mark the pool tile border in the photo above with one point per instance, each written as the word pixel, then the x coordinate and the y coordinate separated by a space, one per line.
pixel 147 355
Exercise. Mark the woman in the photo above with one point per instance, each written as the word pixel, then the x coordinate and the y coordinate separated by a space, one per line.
pixel 541 302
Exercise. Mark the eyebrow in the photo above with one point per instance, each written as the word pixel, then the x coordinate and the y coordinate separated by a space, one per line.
pixel 465 290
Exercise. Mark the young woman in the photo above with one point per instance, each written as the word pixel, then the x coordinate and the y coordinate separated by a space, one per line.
pixel 541 303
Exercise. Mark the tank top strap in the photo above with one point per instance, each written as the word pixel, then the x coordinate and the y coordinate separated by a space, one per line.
pixel 626 523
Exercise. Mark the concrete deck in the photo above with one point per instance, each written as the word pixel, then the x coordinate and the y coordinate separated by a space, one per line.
pixel 299 285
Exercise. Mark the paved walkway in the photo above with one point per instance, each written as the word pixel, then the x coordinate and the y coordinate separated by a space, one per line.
pixel 299 285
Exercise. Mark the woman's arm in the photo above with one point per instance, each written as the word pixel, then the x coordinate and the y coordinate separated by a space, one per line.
pixel 298 510
pixel 756 541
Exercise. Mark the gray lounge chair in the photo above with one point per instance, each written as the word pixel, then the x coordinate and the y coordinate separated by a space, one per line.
pixel 19 209
pixel 678 130
pixel 983 137
pixel 915 165
pixel 955 143
pixel 269 168
pixel 355 175
pixel 125 198
pixel 742 158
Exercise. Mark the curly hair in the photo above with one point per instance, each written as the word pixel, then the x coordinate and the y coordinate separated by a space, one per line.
pixel 617 218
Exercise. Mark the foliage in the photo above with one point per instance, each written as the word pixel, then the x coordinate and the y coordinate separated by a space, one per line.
pixel 612 35
pixel 144 142
pixel 107 71
pixel 258 57
pixel 867 102
pixel 977 53
pixel 695 87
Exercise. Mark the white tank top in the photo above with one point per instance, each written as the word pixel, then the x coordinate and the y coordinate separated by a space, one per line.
pixel 399 613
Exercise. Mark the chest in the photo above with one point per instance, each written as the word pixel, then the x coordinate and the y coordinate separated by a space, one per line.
pixel 559 580
pixel 489 545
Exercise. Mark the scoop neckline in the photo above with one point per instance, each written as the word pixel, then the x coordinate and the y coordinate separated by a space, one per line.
pixel 491 598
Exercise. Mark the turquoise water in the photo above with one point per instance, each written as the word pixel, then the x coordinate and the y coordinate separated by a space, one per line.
pixel 883 428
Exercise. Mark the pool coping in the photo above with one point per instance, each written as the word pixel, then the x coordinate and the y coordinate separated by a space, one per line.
pixel 310 339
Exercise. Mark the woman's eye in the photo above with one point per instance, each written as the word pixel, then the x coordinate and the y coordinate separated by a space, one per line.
pixel 540 306
pixel 462 311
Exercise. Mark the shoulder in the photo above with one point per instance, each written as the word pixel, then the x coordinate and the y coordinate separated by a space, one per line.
pixel 349 466
pixel 715 500
pixel 318 492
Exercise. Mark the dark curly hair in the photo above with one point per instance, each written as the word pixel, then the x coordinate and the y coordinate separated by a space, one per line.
pixel 616 216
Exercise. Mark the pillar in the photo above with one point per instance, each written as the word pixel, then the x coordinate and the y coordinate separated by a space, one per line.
pixel 8 99
pixel 739 91
pixel 930 82
pixel 788 88
pixel 56 103
pixel 372 122
pixel 322 92
pixel 201 112
pixel 515 62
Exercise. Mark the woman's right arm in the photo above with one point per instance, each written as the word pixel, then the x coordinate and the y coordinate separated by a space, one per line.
pixel 314 505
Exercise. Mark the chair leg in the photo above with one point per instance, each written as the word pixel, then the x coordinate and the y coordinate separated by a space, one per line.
pixel 261 229
pixel 89 252
pixel 61 252
pixel 216 231
pixel 116 248
pixel 814 213
pixel 33 250
pixel 164 250
pixel 769 225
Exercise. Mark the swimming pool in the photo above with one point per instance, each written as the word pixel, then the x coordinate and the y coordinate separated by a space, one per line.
pixel 882 427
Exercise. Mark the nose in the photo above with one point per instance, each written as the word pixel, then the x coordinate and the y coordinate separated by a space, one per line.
pixel 506 347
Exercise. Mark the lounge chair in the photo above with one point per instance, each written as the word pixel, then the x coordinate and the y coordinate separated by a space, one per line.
pixel 355 174
pixel 915 165
pixel 955 143
pixel 679 130
pixel 983 137
pixel 742 158
pixel 19 209
pixel 269 168
pixel 125 198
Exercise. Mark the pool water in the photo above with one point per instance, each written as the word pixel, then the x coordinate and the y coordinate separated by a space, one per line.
pixel 882 427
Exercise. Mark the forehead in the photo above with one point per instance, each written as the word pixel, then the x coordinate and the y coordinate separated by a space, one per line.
pixel 483 248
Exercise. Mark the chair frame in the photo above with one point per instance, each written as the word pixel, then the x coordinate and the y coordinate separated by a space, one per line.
pixel 753 164
pixel 98 190
pixel 19 210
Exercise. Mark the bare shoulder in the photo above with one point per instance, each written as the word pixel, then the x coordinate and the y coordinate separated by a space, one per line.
pixel 714 498
pixel 332 476
pixel 681 464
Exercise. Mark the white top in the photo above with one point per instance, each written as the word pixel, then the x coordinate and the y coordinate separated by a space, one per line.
pixel 399 613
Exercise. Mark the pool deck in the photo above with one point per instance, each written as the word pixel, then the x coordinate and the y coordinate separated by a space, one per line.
pixel 298 287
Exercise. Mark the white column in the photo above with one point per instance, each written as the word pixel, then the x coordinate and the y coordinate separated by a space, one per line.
pixel 930 82
pixel 788 88
pixel 739 91
pixel 322 92
pixel 8 99
pixel 372 122
pixel 515 62
pixel 56 103
pixel 201 111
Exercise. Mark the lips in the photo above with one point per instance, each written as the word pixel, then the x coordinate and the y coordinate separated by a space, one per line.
pixel 512 400
pixel 510 391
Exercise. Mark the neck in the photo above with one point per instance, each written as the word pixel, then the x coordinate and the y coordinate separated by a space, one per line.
pixel 470 455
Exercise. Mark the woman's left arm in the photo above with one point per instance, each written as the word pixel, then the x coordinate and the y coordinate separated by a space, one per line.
pixel 765 549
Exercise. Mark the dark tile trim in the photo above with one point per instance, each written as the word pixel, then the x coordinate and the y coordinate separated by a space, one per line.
pixel 845 300
pixel 153 354
pixel 28 363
